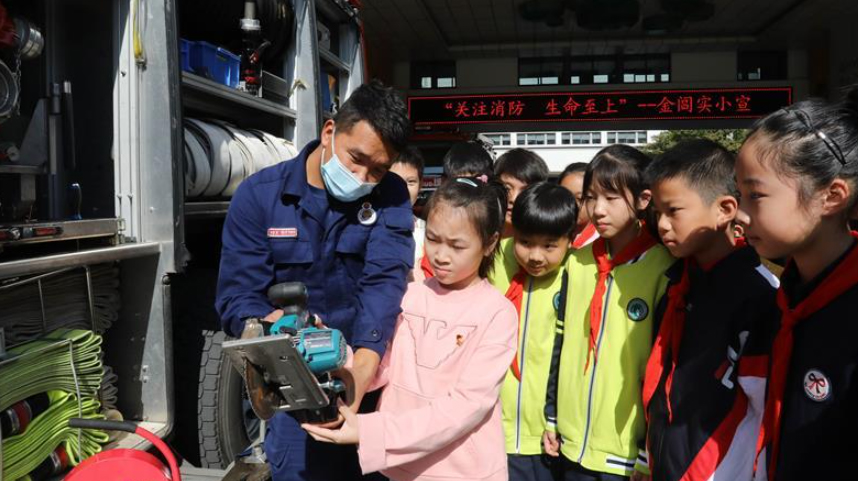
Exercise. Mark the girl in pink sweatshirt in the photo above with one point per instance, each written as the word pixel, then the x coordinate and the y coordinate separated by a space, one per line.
pixel 439 417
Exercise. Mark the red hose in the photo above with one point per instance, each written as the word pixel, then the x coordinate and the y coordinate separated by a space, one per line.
pixel 165 451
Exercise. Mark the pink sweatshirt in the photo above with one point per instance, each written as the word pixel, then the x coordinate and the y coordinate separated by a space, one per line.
pixel 439 417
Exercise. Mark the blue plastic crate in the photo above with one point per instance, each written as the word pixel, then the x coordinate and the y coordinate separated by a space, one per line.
pixel 185 54
pixel 215 63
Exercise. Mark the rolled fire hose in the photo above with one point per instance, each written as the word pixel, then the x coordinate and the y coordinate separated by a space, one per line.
pixel 273 155
pixel 46 365
pixel 260 157
pixel 24 452
pixel 280 146
pixel 108 394
pixel 236 165
pixel 65 304
pixel 232 154
pixel 198 171
pixel 217 143
pixel 240 155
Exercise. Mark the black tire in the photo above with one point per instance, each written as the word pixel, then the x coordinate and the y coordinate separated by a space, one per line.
pixel 226 423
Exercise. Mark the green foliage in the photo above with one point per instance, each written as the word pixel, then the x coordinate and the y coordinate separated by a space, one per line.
pixel 731 139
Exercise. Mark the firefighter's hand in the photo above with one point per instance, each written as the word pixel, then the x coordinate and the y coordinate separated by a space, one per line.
pixel 551 444
pixel 274 316
pixel 349 433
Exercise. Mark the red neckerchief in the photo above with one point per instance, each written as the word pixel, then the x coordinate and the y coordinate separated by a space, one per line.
pixel 667 341
pixel 515 294
pixel 426 267
pixel 843 278
pixel 582 239
pixel 638 246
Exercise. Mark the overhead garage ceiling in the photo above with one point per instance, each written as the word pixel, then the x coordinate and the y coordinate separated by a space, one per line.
pixel 449 29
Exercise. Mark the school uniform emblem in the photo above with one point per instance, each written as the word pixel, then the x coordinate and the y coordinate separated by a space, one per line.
pixel 817 386
pixel 637 309
pixel 556 302
pixel 366 214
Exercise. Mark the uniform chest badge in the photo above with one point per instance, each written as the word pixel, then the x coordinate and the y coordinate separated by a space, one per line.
pixel 637 309
pixel 282 233
pixel 556 302
pixel 366 214
pixel 817 386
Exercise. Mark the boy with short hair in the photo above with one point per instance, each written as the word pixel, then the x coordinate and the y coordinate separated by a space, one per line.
pixel 517 169
pixel 572 178
pixel 544 219
pixel 467 159
pixel 409 166
pixel 705 380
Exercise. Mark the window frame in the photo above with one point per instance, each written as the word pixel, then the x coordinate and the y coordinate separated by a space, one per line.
pixel 434 71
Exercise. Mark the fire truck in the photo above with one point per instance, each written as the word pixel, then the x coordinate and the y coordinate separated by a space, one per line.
pixel 125 127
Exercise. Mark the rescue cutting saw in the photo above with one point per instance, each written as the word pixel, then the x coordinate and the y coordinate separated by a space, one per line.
pixel 292 365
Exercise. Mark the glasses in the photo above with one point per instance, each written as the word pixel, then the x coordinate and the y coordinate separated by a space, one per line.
pixel 829 142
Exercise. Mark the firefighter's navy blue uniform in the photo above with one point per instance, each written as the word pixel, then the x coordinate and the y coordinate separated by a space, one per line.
pixel 353 257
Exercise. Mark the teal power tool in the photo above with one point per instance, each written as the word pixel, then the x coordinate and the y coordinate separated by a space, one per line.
pixel 292 365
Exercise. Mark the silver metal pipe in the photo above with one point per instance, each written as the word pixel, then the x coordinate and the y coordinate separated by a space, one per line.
pixel 40 265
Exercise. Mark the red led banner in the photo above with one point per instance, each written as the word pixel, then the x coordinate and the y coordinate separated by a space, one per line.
pixel 740 103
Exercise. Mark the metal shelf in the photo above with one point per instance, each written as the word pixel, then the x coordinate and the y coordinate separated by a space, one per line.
pixel 206 209
pixel 24 267
pixel 331 59
pixel 203 94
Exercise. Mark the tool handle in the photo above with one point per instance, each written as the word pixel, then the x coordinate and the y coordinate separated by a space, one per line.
pixel 288 294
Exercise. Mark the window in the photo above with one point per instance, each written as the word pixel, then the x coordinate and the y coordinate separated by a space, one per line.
pixel 429 75
pixel 638 137
pixel 499 139
pixel 580 138
pixel 609 69
pixel 762 65
pixel 645 68
pixel 540 71
pixel 548 138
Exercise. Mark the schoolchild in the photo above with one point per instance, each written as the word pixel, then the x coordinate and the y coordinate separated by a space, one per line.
pixel 544 221
pixel 797 174
pixel 409 166
pixel 572 178
pixel 439 416
pixel 705 381
pixel 594 406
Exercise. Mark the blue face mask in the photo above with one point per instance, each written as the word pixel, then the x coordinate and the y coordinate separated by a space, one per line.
pixel 340 182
